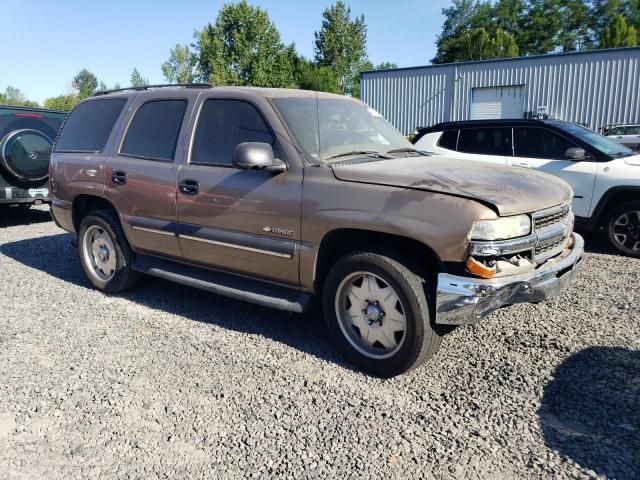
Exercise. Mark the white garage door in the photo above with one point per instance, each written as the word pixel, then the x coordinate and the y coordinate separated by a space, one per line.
pixel 497 102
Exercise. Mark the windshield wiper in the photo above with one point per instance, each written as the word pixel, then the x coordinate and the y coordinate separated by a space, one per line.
pixel 409 150
pixel 372 153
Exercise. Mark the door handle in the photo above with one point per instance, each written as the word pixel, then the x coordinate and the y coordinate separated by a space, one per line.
pixel 189 187
pixel 119 177
pixel 521 165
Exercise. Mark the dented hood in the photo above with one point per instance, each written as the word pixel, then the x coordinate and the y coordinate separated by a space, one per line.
pixel 509 190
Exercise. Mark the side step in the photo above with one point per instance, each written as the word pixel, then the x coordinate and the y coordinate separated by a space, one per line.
pixel 233 286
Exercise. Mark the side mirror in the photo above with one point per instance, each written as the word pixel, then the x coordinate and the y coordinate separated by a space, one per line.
pixel 575 153
pixel 257 156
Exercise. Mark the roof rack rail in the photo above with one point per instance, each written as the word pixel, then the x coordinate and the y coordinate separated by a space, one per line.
pixel 147 87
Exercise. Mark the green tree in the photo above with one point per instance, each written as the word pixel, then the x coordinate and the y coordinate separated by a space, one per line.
pixel 85 83
pixel 603 13
pixel 137 80
pixel 619 34
pixel 385 66
pixel 541 27
pixel 62 102
pixel 341 44
pixel 14 97
pixel 311 76
pixel 181 66
pixel 480 45
pixel 243 47
pixel 462 17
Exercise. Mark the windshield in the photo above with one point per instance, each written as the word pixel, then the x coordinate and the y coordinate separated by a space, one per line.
pixel 345 127
pixel 596 140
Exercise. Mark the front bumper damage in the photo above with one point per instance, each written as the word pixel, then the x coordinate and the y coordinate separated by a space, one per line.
pixel 465 300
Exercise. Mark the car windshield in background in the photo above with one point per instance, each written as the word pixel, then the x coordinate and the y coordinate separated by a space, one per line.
pixel 597 141
pixel 345 128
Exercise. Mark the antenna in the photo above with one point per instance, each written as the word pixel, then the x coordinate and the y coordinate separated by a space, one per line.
pixel 315 71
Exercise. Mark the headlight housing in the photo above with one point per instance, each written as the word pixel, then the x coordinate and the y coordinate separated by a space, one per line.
pixel 501 228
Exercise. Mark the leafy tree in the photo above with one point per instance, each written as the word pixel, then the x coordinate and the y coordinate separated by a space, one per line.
pixel 602 13
pixel 541 27
pixel 311 76
pixel 480 45
pixel 62 102
pixel 137 80
pixel 385 66
pixel 341 44
pixel 461 17
pixel 85 83
pixel 14 97
pixel 244 47
pixel 103 86
pixel 619 34
pixel 576 27
pixel 181 66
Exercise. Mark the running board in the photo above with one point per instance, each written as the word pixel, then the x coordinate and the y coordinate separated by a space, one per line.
pixel 234 286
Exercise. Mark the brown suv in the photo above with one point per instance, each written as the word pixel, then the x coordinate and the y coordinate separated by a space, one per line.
pixel 276 196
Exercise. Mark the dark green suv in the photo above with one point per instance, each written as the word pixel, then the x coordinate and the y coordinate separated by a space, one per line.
pixel 26 139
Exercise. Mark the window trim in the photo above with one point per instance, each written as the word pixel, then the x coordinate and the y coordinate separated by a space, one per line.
pixel 505 127
pixel 120 153
pixel 457 138
pixel 565 137
pixel 66 119
pixel 196 124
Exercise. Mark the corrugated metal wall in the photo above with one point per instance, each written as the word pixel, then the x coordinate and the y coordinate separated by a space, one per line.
pixel 596 88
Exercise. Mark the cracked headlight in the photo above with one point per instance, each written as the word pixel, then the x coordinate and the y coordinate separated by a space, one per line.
pixel 501 228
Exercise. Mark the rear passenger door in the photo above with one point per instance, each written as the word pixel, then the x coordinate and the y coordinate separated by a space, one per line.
pixel 544 150
pixel 486 144
pixel 140 178
pixel 244 221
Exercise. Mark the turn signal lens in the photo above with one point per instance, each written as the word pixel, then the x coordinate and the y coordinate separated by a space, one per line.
pixel 480 269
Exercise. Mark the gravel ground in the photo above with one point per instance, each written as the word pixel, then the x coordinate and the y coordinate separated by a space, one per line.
pixel 170 382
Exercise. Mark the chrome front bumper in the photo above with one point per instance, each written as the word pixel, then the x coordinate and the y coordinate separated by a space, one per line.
pixel 465 300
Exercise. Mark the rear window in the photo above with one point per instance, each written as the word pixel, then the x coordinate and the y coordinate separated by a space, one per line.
pixel 448 139
pixel 485 141
pixel 48 123
pixel 153 133
pixel 89 125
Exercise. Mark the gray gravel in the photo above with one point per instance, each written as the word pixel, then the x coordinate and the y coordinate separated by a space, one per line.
pixel 170 382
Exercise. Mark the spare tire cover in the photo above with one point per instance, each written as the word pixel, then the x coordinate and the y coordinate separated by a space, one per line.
pixel 25 154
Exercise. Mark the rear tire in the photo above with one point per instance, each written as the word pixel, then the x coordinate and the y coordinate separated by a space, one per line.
pixel 378 311
pixel 622 228
pixel 105 254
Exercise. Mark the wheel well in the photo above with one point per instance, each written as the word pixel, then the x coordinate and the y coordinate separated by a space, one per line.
pixel 614 199
pixel 84 204
pixel 338 243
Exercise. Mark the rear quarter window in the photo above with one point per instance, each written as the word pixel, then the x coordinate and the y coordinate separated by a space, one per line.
pixel 448 139
pixel 89 125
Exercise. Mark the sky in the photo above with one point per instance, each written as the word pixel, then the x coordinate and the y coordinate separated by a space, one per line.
pixel 44 43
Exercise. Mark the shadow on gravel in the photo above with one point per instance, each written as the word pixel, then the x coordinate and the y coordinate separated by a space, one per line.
pixel 590 411
pixel 14 216
pixel 595 243
pixel 56 256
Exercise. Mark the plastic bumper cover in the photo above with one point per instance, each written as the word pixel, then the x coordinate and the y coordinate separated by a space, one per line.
pixel 465 300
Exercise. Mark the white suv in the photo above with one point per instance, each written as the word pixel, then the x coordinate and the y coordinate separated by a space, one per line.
pixel 605 175
pixel 627 135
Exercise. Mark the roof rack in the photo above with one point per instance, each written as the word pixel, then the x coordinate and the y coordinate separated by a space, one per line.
pixel 147 87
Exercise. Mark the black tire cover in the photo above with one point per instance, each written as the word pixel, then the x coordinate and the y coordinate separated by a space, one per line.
pixel 25 154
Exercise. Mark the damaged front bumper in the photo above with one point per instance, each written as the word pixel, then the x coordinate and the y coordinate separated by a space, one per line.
pixel 465 300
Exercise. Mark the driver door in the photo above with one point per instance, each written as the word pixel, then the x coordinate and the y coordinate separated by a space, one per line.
pixel 243 221
pixel 544 150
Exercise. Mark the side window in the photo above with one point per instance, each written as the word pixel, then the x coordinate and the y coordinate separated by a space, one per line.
pixel 222 125
pixel 153 132
pixel 448 139
pixel 616 131
pixel 540 143
pixel 88 127
pixel 633 130
pixel 485 141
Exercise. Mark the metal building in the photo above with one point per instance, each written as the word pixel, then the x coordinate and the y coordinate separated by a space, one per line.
pixel 594 87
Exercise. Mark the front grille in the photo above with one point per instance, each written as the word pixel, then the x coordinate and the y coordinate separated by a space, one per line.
pixel 550 217
pixel 541 251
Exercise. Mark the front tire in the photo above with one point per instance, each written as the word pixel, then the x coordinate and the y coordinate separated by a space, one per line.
pixel 105 254
pixel 378 311
pixel 622 228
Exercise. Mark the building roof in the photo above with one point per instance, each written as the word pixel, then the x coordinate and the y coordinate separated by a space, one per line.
pixel 512 59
